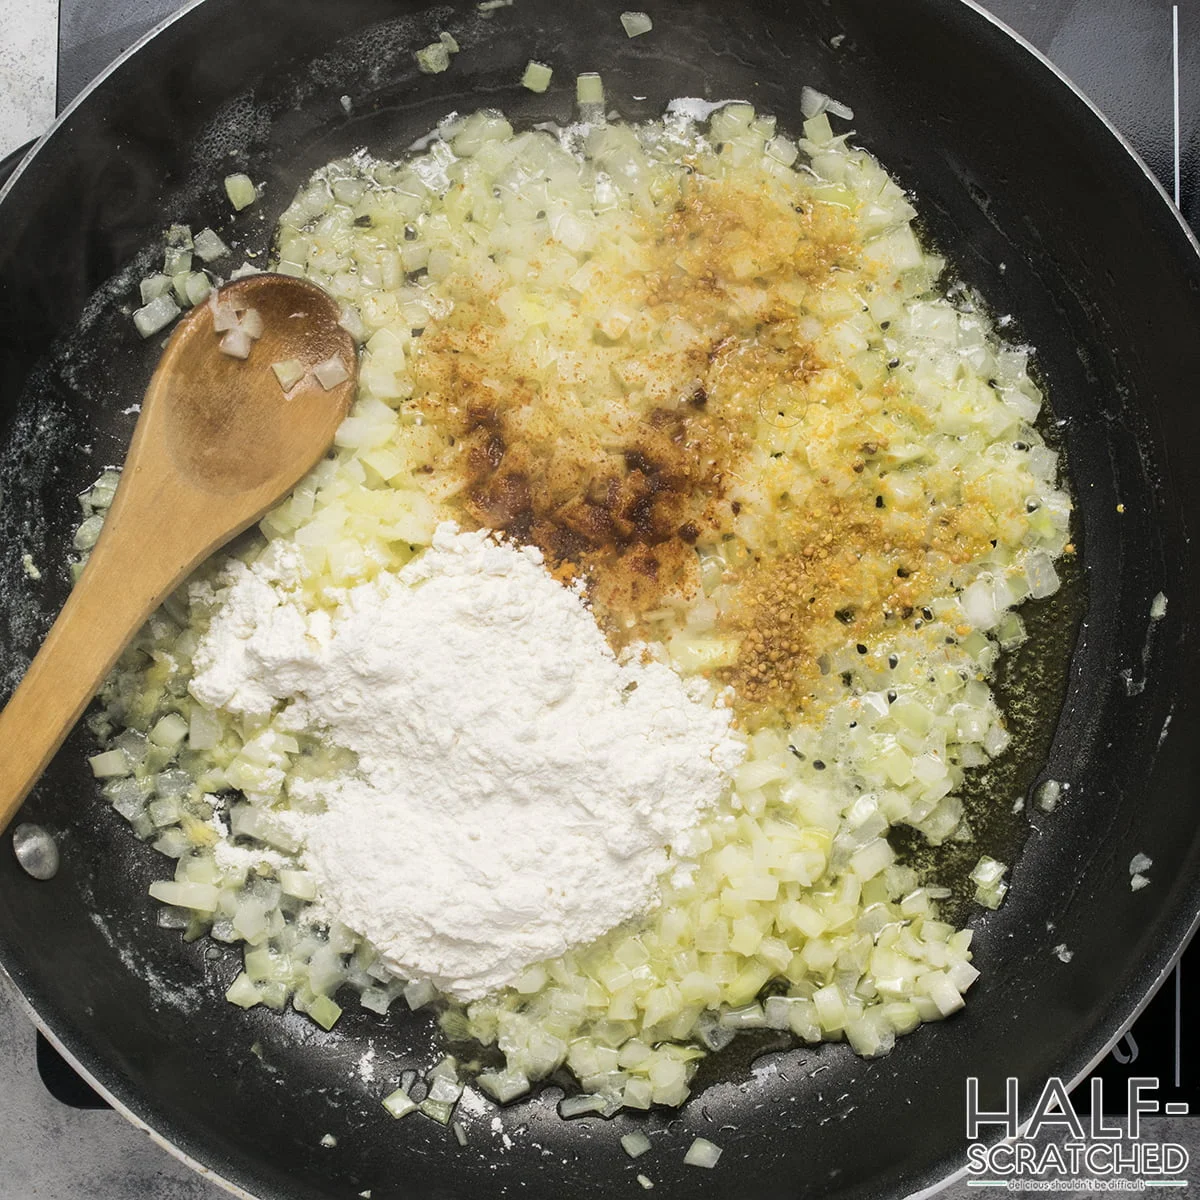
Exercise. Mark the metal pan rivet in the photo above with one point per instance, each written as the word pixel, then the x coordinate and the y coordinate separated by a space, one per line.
pixel 36 851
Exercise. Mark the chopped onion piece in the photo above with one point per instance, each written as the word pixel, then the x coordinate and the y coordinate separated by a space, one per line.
pixel 449 41
pixel 204 729
pixel 169 731
pixel 445 1091
pixel 177 260
pixel 154 285
pixel 244 992
pixel 576 1106
pixel 433 59
pixel 289 373
pixel 331 372
pixel 88 533
pixel 325 1012
pixel 399 1103
pixel 589 88
pixel 209 246
pixel 156 315
pixel 236 343
pixel 537 76
pixel 702 1153
pixel 990 886
pixel 1047 794
pixel 419 994
pixel 750 1016
pixel 460 1134
pixel 251 323
pixel 1043 578
pixel 112 764
pixel 241 191
pixel 813 103
pixel 636 23
pixel 202 897
pixel 447 1068
pixel 505 1085
pixel 437 1110
pixel 196 287
pixel 224 314
pixel 635 1144
pixel 818 130
pixel 299 884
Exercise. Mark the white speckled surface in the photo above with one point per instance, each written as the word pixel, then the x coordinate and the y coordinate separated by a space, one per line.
pixel 28 69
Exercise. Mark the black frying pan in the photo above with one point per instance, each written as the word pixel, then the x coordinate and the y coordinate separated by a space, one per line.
pixel 1038 205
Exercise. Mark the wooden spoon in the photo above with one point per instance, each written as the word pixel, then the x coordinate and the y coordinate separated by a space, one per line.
pixel 218 442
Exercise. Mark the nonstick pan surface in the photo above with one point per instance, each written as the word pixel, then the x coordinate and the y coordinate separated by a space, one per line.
pixel 1039 207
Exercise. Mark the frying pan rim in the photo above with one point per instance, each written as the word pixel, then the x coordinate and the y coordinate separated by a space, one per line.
pixel 91 86
pixel 237 1190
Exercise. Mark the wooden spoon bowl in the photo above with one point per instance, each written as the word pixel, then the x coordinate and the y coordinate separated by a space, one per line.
pixel 218 442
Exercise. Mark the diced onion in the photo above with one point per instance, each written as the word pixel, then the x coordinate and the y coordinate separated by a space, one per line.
pixel 251 323
pixel 589 88
pixel 331 372
pixel 112 764
pixel 702 1153
pixel 197 286
pixel 224 315
pixel 325 1012
pixel 244 992
pixel 437 1110
pixel 399 1103
pixel 504 1085
pixel 155 315
pixel 241 190
pixel 202 897
pixel 434 58
pixel 299 884
pixel 813 103
pixel 635 1144
pixel 575 1106
pixel 537 76
pixel 208 245
pixel 154 285
pixel 237 344
pixel 169 731
pixel 636 23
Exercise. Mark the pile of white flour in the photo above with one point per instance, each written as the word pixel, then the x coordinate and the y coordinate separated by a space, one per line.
pixel 517 788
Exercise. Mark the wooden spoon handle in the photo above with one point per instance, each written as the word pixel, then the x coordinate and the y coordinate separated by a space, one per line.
pixel 218 442
pixel 124 581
